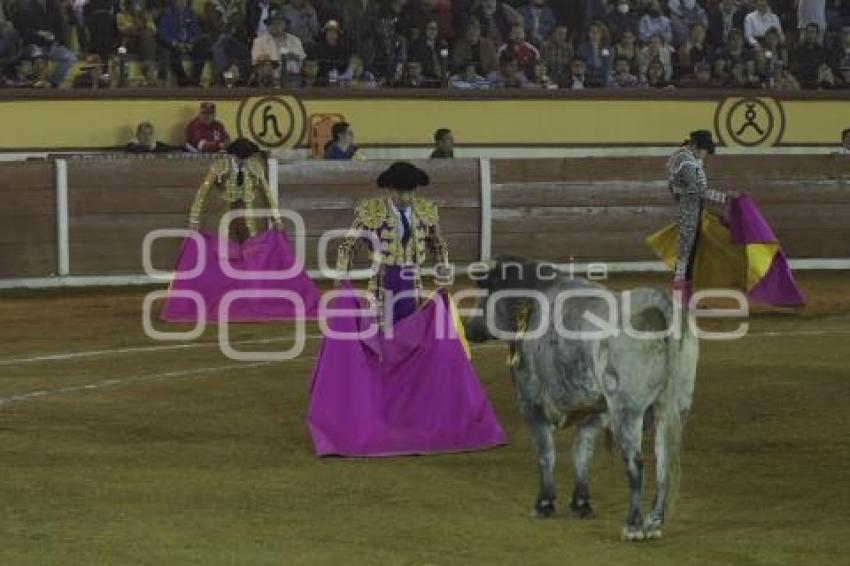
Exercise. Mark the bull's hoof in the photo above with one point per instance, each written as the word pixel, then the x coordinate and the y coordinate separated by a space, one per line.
pixel 582 510
pixel 632 533
pixel 544 509
pixel 652 527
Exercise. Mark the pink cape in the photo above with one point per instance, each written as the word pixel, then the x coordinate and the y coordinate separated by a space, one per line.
pixel 268 251
pixel 413 393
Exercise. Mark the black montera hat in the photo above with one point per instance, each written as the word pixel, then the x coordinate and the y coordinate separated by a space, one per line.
pixel 403 176
pixel 702 140
pixel 242 148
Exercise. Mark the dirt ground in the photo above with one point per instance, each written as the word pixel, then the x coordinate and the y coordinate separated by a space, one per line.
pixel 118 450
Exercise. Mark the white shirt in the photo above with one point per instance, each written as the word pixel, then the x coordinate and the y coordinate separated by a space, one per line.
pixel 268 48
pixel 756 25
pixel 408 213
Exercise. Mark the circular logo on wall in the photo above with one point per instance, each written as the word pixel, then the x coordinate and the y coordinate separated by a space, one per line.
pixel 749 122
pixel 272 122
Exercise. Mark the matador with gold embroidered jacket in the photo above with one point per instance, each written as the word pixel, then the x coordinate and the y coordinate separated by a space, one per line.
pixel 232 184
pixel 381 219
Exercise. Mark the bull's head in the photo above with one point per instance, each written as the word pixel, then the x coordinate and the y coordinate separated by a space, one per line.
pixel 511 274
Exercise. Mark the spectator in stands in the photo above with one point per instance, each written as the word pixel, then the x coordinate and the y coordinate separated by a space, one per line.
pixel 10 51
pixel 525 53
pixel 331 53
pixel 724 17
pixel 683 15
pixel 419 13
pixel 655 22
pixel 91 74
pixel 387 54
pixel 414 77
pixel 557 53
pixel 774 54
pixel 590 11
pixel 837 14
pixel 809 58
pixel 509 74
pixel 840 58
pixel 36 73
pixel 596 54
pixel 539 20
pixel 360 19
pixel 721 73
pixel 783 79
pixel 497 18
pixel 845 142
pixel 468 78
pixel 74 13
pixel 477 49
pixel 356 76
pixel 432 52
pixel 341 146
pixel 145 141
pixel 265 73
pixel 694 50
pixel 278 45
pixel 137 33
pixel 737 50
pixel 758 22
pixel 309 77
pixel 444 144
pixel 811 12
pixel 41 25
pixel 699 76
pixel 256 12
pixel 656 52
pixel 622 19
pixel 627 49
pixel 179 35
pixel 621 76
pixel 100 23
pixel 579 78
pixel 303 22
pixel 205 134
pixel 655 76
pixel 540 77
pixel 744 75
pixel 224 26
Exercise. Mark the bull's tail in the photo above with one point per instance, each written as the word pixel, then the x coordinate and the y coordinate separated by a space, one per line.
pixel 674 404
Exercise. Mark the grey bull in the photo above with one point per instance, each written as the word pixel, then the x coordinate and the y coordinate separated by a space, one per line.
pixel 570 367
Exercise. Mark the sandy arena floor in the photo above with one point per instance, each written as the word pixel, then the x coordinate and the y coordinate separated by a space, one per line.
pixel 119 450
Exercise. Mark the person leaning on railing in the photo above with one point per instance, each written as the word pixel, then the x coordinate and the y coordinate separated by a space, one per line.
pixel 145 141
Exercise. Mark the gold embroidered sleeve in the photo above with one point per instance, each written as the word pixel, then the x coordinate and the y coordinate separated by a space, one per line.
pixel 371 212
pixel 197 209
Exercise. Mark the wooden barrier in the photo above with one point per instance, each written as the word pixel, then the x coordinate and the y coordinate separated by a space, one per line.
pixel 559 209
pixel 114 203
pixel 27 220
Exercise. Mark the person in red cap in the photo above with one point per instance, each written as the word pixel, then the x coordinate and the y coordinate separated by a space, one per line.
pixel 205 134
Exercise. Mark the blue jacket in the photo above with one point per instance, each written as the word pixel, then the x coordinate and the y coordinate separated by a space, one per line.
pixel 173 27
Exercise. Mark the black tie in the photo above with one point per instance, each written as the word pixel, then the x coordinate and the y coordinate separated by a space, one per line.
pixel 406 223
pixel 240 177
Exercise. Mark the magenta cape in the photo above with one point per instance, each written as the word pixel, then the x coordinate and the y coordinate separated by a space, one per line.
pixel 412 394
pixel 744 255
pixel 267 251
pixel 770 280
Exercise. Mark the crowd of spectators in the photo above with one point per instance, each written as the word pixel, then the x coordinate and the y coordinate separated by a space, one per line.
pixel 457 44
